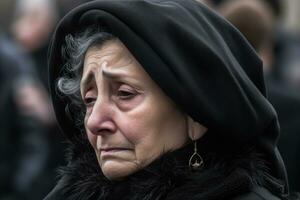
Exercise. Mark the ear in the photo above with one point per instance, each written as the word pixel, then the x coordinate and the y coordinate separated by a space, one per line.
pixel 195 129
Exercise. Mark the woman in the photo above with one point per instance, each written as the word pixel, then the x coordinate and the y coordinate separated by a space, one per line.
pixel 161 100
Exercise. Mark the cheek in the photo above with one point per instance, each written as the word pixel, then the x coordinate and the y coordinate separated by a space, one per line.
pixel 137 124
pixel 153 128
pixel 140 131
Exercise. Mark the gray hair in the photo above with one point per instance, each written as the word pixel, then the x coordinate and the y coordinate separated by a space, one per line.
pixel 73 52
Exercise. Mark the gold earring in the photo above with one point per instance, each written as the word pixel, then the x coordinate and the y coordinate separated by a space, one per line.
pixel 196 161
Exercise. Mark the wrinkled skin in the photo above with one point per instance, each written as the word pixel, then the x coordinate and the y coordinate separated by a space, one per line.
pixel 129 120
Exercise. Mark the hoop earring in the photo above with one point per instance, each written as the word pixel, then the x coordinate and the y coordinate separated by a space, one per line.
pixel 196 161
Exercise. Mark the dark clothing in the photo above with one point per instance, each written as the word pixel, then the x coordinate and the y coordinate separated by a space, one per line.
pixel 167 178
pixel 257 193
pixel 286 101
pixel 67 5
pixel 206 67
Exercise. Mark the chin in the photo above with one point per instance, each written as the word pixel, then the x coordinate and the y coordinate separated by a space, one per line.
pixel 118 170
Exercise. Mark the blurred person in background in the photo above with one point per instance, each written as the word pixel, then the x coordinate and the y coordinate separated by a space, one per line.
pixel 256 19
pixel 287 51
pixel 285 45
pixel 31 27
pixel 6 17
pixel 23 142
pixel 34 21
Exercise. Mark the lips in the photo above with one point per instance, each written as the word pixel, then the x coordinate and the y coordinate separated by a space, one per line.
pixel 113 149
pixel 112 152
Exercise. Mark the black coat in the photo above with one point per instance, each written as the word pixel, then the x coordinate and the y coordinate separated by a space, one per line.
pixel 166 178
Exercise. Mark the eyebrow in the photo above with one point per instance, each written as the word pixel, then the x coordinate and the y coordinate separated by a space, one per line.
pixel 112 75
pixel 87 79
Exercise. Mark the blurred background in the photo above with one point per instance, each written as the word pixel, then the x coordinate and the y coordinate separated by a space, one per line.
pixel 31 145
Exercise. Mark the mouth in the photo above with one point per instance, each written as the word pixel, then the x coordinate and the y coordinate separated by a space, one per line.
pixel 113 152
pixel 114 149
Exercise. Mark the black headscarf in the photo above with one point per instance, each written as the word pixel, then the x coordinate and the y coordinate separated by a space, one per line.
pixel 199 60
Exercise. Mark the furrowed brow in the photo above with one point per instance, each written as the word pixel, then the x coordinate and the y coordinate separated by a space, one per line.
pixel 113 75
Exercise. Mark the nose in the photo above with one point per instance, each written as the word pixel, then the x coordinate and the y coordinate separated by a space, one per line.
pixel 100 121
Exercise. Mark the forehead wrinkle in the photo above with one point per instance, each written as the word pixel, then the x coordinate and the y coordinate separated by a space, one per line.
pixel 118 61
pixel 113 56
pixel 107 71
pixel 116 73
pixel 95 58
pixel 119 64
pixel 95 66
pixel 99 53
pixel 105 64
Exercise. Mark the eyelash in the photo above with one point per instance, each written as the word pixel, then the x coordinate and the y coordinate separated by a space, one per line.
pixel 121 94
pixel 125 94
pixel 88 101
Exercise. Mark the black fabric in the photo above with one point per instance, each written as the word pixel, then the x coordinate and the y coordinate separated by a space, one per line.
pixel 167 178
pixel 199 60
pixel 257 193
pixel 286 101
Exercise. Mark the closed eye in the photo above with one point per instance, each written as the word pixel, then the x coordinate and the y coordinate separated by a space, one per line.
pixel 126 94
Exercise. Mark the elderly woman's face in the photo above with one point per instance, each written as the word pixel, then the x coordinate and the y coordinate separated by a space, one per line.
pixel 129 120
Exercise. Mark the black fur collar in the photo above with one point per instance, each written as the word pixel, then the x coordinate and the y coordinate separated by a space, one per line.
pixel 166 178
